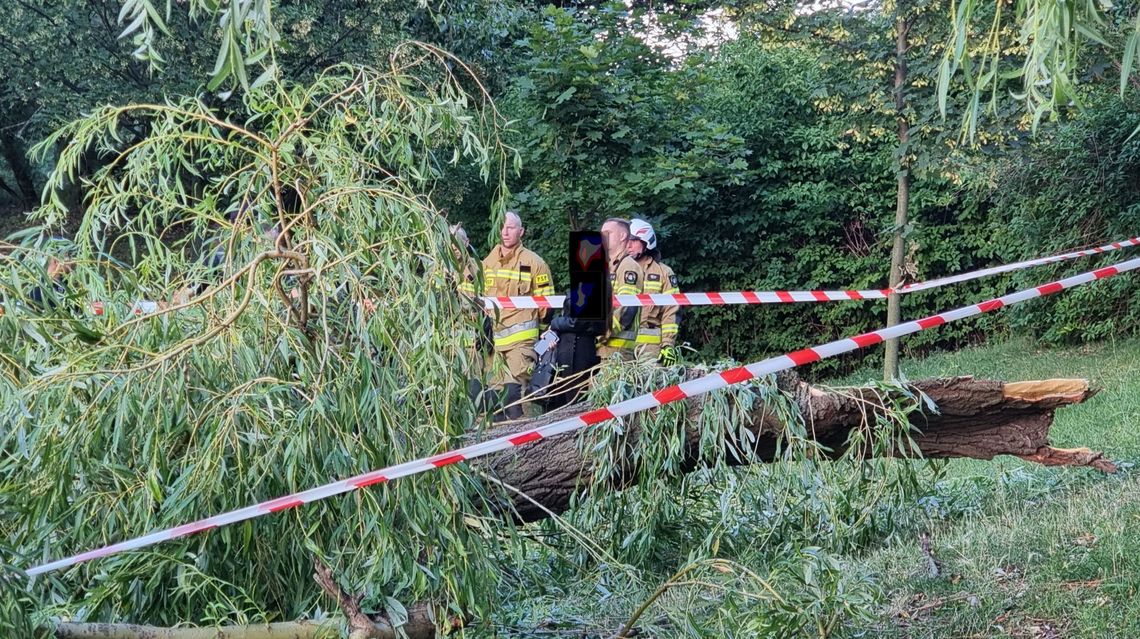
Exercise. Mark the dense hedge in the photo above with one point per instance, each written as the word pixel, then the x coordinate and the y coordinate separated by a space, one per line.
pixel 763 169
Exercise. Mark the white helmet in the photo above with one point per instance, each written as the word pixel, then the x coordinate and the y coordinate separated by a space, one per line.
pixel 643 231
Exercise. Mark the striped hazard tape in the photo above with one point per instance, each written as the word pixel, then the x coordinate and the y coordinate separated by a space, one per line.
pixel 648 401
pixel 787 297
pixel 723 298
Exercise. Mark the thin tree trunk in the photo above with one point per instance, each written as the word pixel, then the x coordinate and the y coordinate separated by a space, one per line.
pixel 894 309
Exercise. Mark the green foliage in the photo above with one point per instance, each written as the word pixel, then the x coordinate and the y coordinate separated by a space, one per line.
pixel 762 166
pixel 606 128
pixel 799 510
pixel 46 85
pixel 18 601
pixel 1051 41
pixel 274 378
pixel 1075 186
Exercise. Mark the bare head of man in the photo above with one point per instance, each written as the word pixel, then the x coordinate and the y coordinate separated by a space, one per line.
pixel 462 243
pixel 615 232
pixel 511 234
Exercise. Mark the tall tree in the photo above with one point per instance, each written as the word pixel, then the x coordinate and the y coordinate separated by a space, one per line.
pixel 902 195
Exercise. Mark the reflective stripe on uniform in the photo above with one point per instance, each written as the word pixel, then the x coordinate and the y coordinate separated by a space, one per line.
pixel 624 339
pixel 649 336
pixel 507 274
pixel 667 329
pixel 518 333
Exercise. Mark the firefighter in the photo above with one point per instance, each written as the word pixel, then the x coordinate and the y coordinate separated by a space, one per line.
pixel 512 270
pixel 626 278
pixel 657 332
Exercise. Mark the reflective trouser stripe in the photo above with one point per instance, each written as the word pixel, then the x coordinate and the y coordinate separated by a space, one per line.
pixel 649 336
pixel 624 339
pixel 517 333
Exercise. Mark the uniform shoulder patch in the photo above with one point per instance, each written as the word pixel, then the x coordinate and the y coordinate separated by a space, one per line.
pixel 653 277
pixel 630 277
pixel 673 279
pixel 542 279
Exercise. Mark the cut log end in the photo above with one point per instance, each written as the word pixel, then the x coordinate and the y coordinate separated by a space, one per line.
pixel 1061 391
pixel 1049 456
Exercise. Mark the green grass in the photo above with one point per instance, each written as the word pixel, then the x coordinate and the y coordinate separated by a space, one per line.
pixel 1049 552
pixel 1026 551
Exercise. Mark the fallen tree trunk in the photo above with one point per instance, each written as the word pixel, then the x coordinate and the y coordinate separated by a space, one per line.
pixel 978 419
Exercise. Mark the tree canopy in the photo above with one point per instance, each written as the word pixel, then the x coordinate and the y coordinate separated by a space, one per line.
pixel 282 176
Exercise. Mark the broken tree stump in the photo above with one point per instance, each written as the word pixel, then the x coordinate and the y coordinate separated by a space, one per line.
pixel 977 419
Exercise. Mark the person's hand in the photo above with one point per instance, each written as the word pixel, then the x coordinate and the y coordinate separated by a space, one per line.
pixel 668 356
pixel 56 268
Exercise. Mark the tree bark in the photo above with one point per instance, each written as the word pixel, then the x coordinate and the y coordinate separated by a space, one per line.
pixel 979 419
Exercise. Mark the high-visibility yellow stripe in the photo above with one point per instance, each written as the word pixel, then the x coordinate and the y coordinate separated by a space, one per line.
pixel 652 287
pixel 508 274
pixel 668 328
pixel 647 335
pixel 626 290
pixel 545 291
pixel 520 332
pixel 515 338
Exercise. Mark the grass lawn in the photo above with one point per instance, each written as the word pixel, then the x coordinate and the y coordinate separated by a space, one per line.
pixel 1044 552
pixel 1025 551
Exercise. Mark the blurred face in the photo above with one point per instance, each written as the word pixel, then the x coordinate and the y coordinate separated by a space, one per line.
pixel 512 232
pixel 614 235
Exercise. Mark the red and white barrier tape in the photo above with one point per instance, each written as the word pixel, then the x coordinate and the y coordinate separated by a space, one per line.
pixel 786 297
pixel 147 307
pixel 664 396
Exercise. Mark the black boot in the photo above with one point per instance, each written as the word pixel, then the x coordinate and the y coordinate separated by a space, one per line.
pixel 512 408
pixel 490 401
